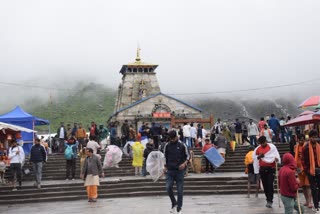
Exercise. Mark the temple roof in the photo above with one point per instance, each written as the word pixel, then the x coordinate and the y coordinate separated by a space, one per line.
pixel 152 96
pixel 138 64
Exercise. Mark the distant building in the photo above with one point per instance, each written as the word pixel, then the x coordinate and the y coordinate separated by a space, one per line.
pixel 140 100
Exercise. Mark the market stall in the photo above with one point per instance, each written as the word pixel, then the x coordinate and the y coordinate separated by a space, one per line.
pixel 23 119
pixel 9 132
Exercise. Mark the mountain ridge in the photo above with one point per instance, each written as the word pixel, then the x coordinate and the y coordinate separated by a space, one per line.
pixel 95 102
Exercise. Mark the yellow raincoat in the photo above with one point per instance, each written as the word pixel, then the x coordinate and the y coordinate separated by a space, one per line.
pixel 248 160
pixel 137 149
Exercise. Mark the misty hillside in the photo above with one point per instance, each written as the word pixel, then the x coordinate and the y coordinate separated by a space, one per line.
pixel 228 110
pixel 94 102
pixel 86 103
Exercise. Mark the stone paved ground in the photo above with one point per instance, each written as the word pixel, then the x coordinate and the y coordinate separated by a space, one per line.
pixel 215 204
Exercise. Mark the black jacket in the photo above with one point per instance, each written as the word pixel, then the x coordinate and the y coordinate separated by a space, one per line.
pixel 149 148
pixel 175 153
pixel 125 129
pixel 38 154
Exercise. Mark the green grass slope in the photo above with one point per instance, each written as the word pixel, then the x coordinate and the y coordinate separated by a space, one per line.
pixel 87 103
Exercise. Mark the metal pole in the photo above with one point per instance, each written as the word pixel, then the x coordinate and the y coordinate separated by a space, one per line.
pixel 298 201
pixel 277 176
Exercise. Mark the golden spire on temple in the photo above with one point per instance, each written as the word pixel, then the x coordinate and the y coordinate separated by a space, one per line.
pixel 138 59
pixel 138 66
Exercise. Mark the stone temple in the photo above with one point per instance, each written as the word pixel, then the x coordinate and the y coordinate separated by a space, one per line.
pixel 140 99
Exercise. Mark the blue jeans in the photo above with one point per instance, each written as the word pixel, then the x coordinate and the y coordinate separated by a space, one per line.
pixel 178 177
pixel 144 168
pixel 290 204
pixel 253 140
pixel 187 141
pixel 289 136
pixel 37 170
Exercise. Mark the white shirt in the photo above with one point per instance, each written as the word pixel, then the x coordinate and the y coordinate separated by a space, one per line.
pixel 217 125
pixel 266 134
pixel 186 130
pixel 252 129
pixel 93 145
pixel 16 158
pixel 204 133
pixel 61 134
pixel 269 157
pixel 193 132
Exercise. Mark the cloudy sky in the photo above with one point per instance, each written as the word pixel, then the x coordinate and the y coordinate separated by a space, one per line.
pixel 200 46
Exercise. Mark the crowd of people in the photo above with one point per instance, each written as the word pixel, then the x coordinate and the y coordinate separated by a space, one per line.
pixel 246 132
pixel 177 144
pixel 300 169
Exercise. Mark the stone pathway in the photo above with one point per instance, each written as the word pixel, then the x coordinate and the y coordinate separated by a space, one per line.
pixel 215 204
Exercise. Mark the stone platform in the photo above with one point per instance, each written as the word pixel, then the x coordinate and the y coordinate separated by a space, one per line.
pixel 214 204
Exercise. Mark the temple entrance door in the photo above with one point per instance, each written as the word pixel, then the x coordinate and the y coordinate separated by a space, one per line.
pixel 165 124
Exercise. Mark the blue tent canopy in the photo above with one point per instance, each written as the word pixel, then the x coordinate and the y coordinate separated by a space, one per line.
pixel 21 118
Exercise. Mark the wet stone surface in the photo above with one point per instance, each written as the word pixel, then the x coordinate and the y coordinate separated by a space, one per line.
pixel 215 204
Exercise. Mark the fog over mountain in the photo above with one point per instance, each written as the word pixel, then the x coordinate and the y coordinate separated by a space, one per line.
pixel 205 49
pixel 229 110
pixel 91 101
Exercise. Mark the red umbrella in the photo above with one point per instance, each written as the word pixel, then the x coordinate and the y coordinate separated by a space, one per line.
pixel 313 101
pixel 306 117
pixel 316 116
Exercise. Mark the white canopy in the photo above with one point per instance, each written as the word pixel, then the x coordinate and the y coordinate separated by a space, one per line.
pixel 4 126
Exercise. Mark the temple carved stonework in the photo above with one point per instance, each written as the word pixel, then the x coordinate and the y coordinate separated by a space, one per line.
pixel 139 80
pixel 140 100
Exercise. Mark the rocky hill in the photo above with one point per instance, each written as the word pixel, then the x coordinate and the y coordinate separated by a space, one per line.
pixel 94 102
pixel 228 110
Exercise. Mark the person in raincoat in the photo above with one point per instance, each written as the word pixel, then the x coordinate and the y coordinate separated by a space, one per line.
pixel 137 162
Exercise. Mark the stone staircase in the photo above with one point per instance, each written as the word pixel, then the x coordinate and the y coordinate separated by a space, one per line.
pixel 54 169
pixel 121 188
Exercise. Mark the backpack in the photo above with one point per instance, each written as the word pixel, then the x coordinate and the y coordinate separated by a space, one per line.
pixel 68 153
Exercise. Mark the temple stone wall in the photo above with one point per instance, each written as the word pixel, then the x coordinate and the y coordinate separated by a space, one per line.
pixel 139 83
pixel 130 87
pixel 145 108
